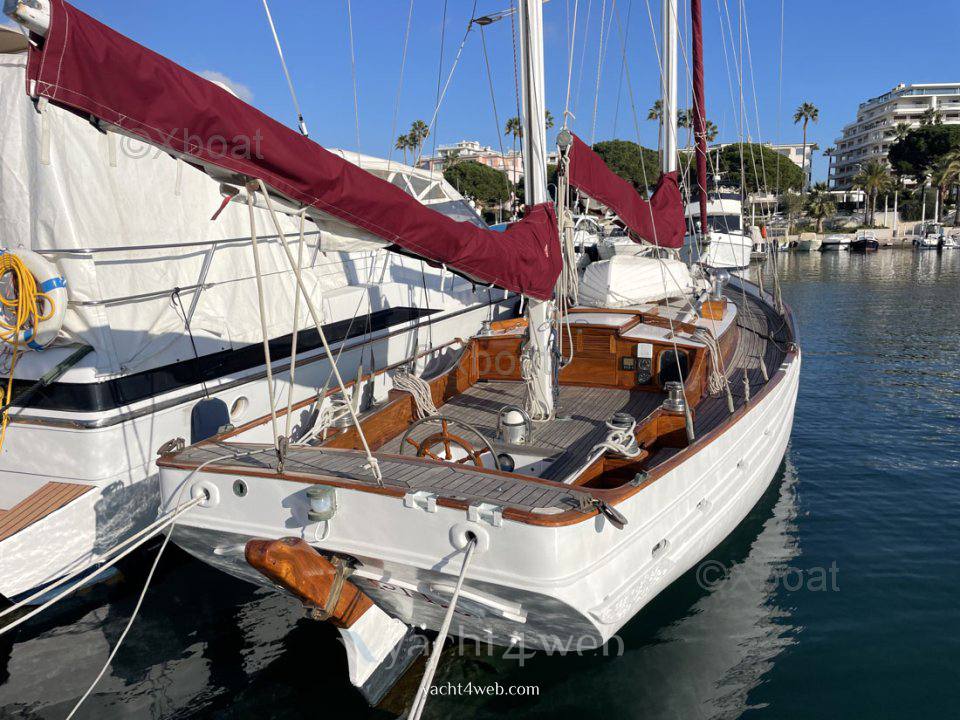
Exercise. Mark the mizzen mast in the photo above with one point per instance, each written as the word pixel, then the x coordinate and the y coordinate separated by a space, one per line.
pixel 538 358
pixel 699 108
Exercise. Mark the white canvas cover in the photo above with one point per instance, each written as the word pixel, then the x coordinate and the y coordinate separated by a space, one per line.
pixel 107 191
pixel 625 280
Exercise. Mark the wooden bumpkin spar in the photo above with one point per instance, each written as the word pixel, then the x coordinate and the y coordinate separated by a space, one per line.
pixel 379 648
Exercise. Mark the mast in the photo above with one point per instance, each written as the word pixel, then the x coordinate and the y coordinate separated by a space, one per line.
pixel 538 352
pixel 668 85
pixel 699 108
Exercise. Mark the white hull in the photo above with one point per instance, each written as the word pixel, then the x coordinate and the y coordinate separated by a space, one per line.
pixel 543 586
pixel 809 245
pixel 835 243
pixel 729 251
pixel 114 452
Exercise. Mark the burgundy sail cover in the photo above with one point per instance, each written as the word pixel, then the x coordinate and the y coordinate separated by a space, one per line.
pixel 659 221
pixel 85 66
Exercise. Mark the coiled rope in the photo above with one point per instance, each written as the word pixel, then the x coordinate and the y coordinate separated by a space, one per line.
pixel 419 389
pixel 620 441
pixel 21 313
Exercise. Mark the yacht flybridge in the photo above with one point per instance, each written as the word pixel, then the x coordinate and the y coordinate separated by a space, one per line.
pixel 536 483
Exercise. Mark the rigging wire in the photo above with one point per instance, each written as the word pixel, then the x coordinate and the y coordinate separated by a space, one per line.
pixel 616 111
pixel 396 105
pixel 446 86
pixel 596 94
pixel 583 56
pixel 572 41
pixel 353 74
pixel 293 94
pixel 443 37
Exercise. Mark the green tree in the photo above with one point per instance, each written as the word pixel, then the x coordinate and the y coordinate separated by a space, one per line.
pixel 419 132
pixel 931 116
pixel 807 112
pixel 548 119
pixel 711 131
pixel 873 178
pixel 638 165
pixel 916 154
pixel 820 204
pixel 901 130
pixel 656 111
pixel 403 143
pixel 791 205
pixel 757 159
pixel 946 176
pixel 488 187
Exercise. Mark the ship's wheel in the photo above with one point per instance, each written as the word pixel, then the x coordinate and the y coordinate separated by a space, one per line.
pixel 446 446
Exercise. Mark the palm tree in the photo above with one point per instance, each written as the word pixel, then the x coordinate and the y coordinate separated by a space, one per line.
pixel 874 178
pixel 805 113
pixel 901 130
pixel 656 111
pixel 419 132
pixel 548 119
pixel 514 128
pixel 931 116
pixel 820 205
pixel 403 143
pixel 711 131
pixel 946 174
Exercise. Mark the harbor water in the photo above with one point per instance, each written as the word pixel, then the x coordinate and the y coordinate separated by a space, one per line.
pixel 836 597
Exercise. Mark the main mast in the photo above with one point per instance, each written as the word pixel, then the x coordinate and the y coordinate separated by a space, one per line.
pixel 668 86
pixel 538 352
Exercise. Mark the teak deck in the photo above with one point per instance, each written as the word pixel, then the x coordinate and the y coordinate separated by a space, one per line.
pixel 472 397
pixel 52 496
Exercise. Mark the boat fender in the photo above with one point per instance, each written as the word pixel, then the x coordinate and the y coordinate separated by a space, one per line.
pixel 54 289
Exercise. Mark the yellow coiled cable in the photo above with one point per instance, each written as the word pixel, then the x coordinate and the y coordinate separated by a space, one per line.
pixel 19 313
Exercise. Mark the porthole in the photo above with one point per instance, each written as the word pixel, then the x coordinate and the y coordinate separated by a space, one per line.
pixel 239 407
pixel 239 488
pixel 659 548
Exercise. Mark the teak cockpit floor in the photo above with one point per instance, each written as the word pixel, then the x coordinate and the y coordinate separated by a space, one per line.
pixel 582 414
pixel 410 475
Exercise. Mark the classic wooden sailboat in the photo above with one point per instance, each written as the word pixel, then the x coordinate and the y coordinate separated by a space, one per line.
pixel 537 484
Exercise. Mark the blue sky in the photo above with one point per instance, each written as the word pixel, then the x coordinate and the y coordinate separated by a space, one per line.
pixel 835 55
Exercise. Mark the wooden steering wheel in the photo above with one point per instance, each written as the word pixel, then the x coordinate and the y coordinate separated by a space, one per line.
pixel 439 445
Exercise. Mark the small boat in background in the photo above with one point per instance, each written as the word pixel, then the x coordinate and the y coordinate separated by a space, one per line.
pixel 930 237
pixel 866 242
pixel 949 242
pixel 835 242
pixel 808 242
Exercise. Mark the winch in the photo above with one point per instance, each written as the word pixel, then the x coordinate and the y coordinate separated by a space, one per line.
pixel 514 425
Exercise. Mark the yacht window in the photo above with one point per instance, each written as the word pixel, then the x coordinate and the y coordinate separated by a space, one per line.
pixel 723 223
pixel 673 366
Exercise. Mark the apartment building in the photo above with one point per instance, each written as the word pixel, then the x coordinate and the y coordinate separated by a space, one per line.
pixel 509 161
pixel 870 136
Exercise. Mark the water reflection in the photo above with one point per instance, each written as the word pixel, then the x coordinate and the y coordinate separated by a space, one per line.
pixel 881 387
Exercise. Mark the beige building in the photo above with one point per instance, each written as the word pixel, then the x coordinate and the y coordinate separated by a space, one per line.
pixel 870 136
pixel 509 161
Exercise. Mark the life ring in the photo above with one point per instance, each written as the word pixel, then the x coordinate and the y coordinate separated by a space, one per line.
pixel 51 289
